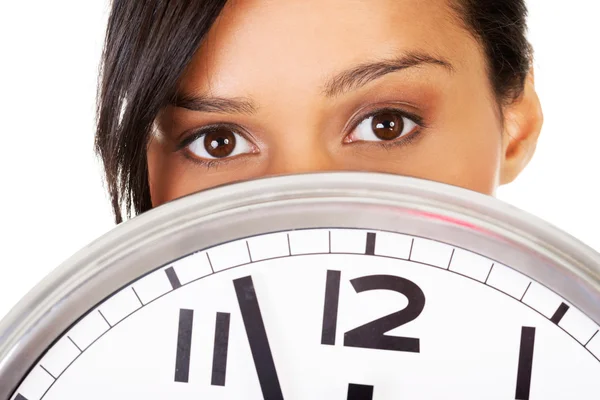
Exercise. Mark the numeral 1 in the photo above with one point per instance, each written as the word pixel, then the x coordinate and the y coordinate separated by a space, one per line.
pixel 359 392
pixel 330 310
pixel 525 363
pixel 372 334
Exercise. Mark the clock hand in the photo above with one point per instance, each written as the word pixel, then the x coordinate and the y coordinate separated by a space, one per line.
pixel 257 338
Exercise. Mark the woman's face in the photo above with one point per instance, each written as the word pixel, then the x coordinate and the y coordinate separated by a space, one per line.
pixel 280 87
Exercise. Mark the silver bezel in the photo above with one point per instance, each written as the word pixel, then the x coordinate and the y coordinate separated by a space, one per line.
pixel 326 200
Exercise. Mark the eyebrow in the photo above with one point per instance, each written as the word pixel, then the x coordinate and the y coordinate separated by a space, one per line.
pixel 360 75
pixel 212 104
pixel 347 80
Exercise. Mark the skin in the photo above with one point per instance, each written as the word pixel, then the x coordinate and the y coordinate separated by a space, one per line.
pixel 280 57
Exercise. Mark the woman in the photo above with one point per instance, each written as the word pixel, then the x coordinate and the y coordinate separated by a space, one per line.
pixel 197 94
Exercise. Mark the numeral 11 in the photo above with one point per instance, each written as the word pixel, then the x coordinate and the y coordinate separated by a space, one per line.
pixel 184 347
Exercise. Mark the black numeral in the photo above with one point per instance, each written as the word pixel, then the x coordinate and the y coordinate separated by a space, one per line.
pixel 330 309
pixel 359 392
pixel 184 347
pixel 372 334
pixel 525 363
pixel 219 367
pixel 255 332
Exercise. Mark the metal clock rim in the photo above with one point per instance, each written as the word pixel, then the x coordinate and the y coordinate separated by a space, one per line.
pixel 96 270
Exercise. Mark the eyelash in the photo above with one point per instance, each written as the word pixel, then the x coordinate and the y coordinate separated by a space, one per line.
pixel 212 163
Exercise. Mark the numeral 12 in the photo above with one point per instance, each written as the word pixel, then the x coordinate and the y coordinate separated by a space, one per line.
pixel 372 334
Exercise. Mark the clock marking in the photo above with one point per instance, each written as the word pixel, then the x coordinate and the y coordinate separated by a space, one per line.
pixel 372 334
pixel 20 397
pixel 525 363
pixel 451 257
pixel 412 243
pixel 330 309
pixel 593 336
pixel 104 318
pixel 210 262
pixel 489 273
pixel 48 372
pixel 173 278
pixel 249 254
pixel 359 392
pixel 184 345
pixel 74 344
pixel 559 313
pixel 138 297
pixel 525 292
pixel 370 248
pixel 219 367
pixel 257 338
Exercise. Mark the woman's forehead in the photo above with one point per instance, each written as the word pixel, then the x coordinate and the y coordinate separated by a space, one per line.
pixel 255 43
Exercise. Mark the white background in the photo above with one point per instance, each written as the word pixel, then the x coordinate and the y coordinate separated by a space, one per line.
pixel 52 199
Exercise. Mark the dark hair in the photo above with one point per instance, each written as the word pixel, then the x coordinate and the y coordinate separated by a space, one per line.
pixel 149 43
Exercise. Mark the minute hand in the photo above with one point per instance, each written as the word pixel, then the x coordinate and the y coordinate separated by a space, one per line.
pixel 257 338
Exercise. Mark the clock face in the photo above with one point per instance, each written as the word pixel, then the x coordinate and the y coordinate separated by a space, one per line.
pixel 326 314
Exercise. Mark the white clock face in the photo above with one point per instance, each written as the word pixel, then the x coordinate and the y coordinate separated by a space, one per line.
pixel 326 314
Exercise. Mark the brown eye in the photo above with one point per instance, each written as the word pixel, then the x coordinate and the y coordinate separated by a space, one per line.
pixel 383 126
pixel 221 142
pixel 387 126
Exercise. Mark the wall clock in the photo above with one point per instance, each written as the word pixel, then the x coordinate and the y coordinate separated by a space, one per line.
pixel 318 286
